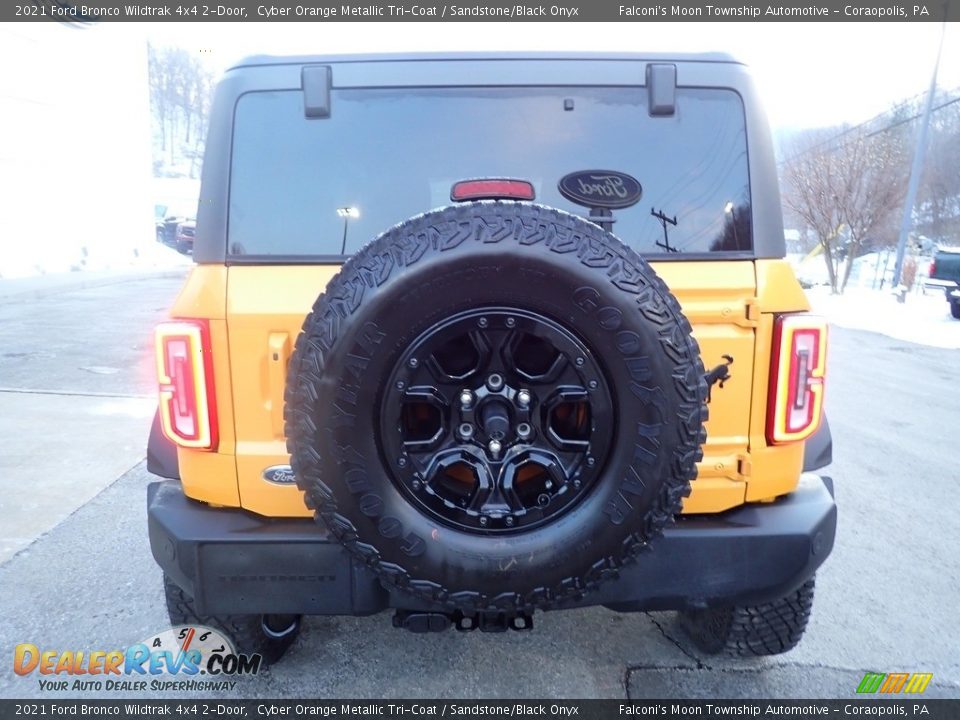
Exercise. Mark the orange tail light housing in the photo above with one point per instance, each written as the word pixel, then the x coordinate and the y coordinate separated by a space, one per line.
pixel 185 384
pixel 797 377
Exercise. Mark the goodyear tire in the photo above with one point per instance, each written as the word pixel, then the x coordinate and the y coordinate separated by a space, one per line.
pixel 525 286
pixel 752 630
pixel 267 635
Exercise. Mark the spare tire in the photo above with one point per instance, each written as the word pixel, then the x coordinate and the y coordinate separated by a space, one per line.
pixel 495 406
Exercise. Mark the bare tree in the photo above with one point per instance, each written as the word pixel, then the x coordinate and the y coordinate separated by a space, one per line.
pixel 180 89
pixel 875 172
pixel 845 184
pixel 939 202
pixel 811 187
pixel 159 92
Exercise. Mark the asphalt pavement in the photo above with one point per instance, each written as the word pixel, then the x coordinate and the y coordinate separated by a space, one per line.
pixel 82 577
pixel 76 390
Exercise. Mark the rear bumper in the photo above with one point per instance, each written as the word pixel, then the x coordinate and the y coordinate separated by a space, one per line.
pixel 232 561
pixel 950 288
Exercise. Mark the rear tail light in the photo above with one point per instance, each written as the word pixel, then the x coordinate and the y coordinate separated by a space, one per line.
pixel 185 380
pixel 492 189
pixel 796 378
pixel 933 268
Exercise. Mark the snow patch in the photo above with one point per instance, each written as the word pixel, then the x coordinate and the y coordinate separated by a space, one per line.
pixel 30 261
pixel 922 319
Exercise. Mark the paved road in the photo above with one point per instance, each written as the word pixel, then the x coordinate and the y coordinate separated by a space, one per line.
pixel 886 599
pixel 76 389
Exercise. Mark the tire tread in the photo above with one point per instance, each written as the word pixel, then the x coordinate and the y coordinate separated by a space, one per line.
pixel 441 231
pixel 770 628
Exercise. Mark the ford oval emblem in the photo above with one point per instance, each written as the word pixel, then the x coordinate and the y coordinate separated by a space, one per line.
pixel 600 188
pixel 279 475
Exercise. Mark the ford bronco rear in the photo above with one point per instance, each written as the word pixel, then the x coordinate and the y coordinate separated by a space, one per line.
pixel 451 340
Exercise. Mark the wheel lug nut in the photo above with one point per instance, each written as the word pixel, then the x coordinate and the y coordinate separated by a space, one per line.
pixel 412 362
pixel 482 322
pixel 495 447
pixel 593 384
pixel 483 520
pixel 402 462
pixel 495 382
pixel 465 431
pixel 511 322
pixel 510 522
pixel 524 431
pixel 416 484
pixel 466 398
pixel 591 461
pixel 580 362
pixel 523 398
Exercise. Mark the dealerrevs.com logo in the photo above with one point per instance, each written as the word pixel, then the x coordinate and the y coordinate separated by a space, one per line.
pixel 187 657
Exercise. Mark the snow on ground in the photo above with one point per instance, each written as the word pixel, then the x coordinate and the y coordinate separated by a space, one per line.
pixel 29 261
pixel 158 255
pixel 922 319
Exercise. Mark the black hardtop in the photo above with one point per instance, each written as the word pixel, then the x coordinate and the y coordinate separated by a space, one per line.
pixel 265 73
pixel 264 60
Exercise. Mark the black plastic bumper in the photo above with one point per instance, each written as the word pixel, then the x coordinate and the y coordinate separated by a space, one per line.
pixel 231 561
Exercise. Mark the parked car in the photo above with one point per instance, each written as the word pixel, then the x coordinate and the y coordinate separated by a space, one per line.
pixel 498 406
pixel 184 236
pixel 168 220
pixel 945 274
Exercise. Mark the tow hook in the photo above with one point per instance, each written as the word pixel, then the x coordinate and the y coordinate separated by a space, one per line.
pixel 425 622
pixel 421 622
pixel 494 622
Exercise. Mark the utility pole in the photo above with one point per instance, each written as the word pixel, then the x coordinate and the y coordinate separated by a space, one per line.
pixel 664 220
pixel 906 224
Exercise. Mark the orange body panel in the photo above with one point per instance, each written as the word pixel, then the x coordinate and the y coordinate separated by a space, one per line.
pixel 256 313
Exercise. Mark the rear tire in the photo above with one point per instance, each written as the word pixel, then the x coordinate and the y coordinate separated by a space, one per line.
pixel 267 635
pixel 751 630
pixel 955 309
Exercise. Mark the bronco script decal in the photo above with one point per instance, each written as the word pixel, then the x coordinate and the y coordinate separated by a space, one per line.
pixel 600 188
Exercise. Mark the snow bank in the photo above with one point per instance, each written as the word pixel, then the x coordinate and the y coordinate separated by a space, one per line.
pixel 922 319
pixel 22 262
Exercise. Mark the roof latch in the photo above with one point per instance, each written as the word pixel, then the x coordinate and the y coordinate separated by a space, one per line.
pixel 662 89
pixel 316 81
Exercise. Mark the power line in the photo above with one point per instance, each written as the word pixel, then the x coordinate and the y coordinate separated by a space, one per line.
pixel 876 117
pixel 913 117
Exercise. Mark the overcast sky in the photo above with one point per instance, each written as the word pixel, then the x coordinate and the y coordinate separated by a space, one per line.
pixel 810 74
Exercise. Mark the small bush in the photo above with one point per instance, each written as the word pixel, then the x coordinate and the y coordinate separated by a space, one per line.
pixel 909 274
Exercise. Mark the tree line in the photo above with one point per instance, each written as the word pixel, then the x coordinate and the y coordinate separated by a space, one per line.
pixel 181 90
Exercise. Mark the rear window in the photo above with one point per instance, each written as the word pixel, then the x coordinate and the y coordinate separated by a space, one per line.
pixel 306 187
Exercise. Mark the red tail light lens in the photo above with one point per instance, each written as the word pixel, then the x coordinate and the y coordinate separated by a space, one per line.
pixel 492 189
pixel 185 380
pixel 796 378
pixel 933 268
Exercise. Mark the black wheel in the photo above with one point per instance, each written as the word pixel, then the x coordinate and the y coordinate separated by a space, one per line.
pixel 955 309
pixel 495 406
pixel 752 630
pixel 266 635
